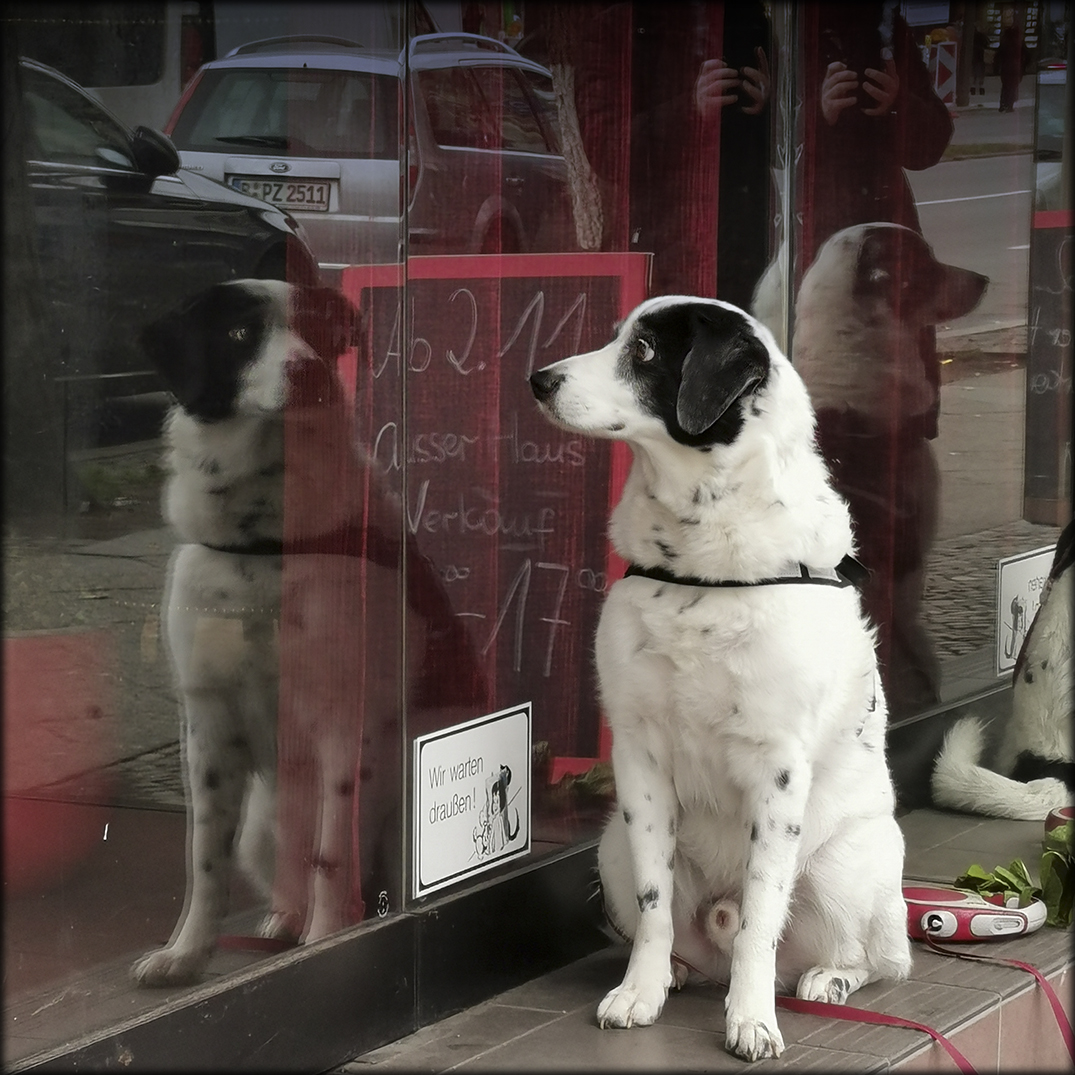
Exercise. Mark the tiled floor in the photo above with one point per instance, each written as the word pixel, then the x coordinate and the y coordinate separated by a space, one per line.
pixel 995 1015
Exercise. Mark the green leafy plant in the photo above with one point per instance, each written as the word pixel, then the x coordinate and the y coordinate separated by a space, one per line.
pixel 1013 882
pixel 1058 873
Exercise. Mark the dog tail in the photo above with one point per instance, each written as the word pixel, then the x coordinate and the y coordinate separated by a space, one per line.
pixel 960 783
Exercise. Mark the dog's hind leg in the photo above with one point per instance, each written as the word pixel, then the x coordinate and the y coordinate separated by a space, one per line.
pixel 850 919
pixel 255 849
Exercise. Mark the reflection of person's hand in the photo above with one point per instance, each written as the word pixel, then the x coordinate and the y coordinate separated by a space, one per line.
pixel 838 91
pixel 885 91
pixel 716 87
pixel 756 83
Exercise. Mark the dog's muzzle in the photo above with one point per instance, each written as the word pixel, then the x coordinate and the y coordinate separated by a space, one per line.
pixel 544 383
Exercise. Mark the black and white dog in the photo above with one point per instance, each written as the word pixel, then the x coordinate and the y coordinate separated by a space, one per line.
pixel 246 361
pixel 1033 771
pixel 754 837
pixel 864 344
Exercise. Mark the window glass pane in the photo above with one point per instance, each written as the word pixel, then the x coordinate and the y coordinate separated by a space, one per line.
pixel 920 377
pixel 327 633
pixel 65 127
pixel 544 102
pixel 298 113
pixel 460 114
pixel 519 127
pixel 99 44
pixel 203 685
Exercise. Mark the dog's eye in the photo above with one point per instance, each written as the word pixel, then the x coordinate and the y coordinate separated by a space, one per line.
pixel 643 351
pixel 238 334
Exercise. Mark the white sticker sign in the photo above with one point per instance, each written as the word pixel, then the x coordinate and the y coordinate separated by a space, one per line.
pixel 1020 582
pixel 471 798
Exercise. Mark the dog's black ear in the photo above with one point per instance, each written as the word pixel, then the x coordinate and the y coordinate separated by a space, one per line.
pixel 326 320
pixel 201 349
pixel 176 345
pixel 725 360
pixel 959 292
pixel 898 265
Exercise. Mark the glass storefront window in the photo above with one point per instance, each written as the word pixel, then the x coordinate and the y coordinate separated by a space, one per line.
pixel 385 589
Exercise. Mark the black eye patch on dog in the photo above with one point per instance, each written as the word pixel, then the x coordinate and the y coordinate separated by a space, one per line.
pixel 705 359
pixel 201 349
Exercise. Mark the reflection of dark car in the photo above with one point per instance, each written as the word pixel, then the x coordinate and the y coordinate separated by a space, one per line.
pixel 315 124
pixel 123 234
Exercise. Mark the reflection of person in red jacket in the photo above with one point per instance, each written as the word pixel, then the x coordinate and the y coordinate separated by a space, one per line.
pixel 871 115
pixel 874 114
pixel 1009 60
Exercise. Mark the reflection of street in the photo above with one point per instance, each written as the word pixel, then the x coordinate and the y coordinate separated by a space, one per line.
pixel 971 216
pixel 112 585
pixel 975 212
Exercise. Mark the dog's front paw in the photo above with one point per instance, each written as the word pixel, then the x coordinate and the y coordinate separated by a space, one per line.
pixel 169 966
pixel 753 1039
pixel 629 1005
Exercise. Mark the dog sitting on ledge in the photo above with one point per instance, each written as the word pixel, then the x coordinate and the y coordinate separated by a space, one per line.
pixel 754 835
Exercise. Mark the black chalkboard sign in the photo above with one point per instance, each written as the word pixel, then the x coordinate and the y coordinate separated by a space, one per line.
pixel 510 511
pixel 1048 474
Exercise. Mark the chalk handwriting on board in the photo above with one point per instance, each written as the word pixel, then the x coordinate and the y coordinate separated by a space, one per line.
pixel 1049 337
pixel 444 447
pixel 519 591
pixel 517 595
pixel 467 517
pixel 420 354
pixel 1064 272
pixel 460 363
pixel 536 307
pixel 506 509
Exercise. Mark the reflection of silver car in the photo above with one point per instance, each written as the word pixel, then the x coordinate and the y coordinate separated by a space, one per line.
pixel 317 125
pixel 1049 139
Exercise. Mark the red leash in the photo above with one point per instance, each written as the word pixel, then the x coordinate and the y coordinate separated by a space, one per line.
pixel 1050 993
pixel 864 1015
pixel 825 1010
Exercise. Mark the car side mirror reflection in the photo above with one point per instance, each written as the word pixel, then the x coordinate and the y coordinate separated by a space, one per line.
pixel 154 152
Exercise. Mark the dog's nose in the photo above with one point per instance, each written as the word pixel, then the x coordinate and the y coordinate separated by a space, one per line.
pixel 544 383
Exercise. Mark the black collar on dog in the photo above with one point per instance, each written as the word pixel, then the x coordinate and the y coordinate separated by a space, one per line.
pixel 348 539
pixel 848 572
pixel 261 547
